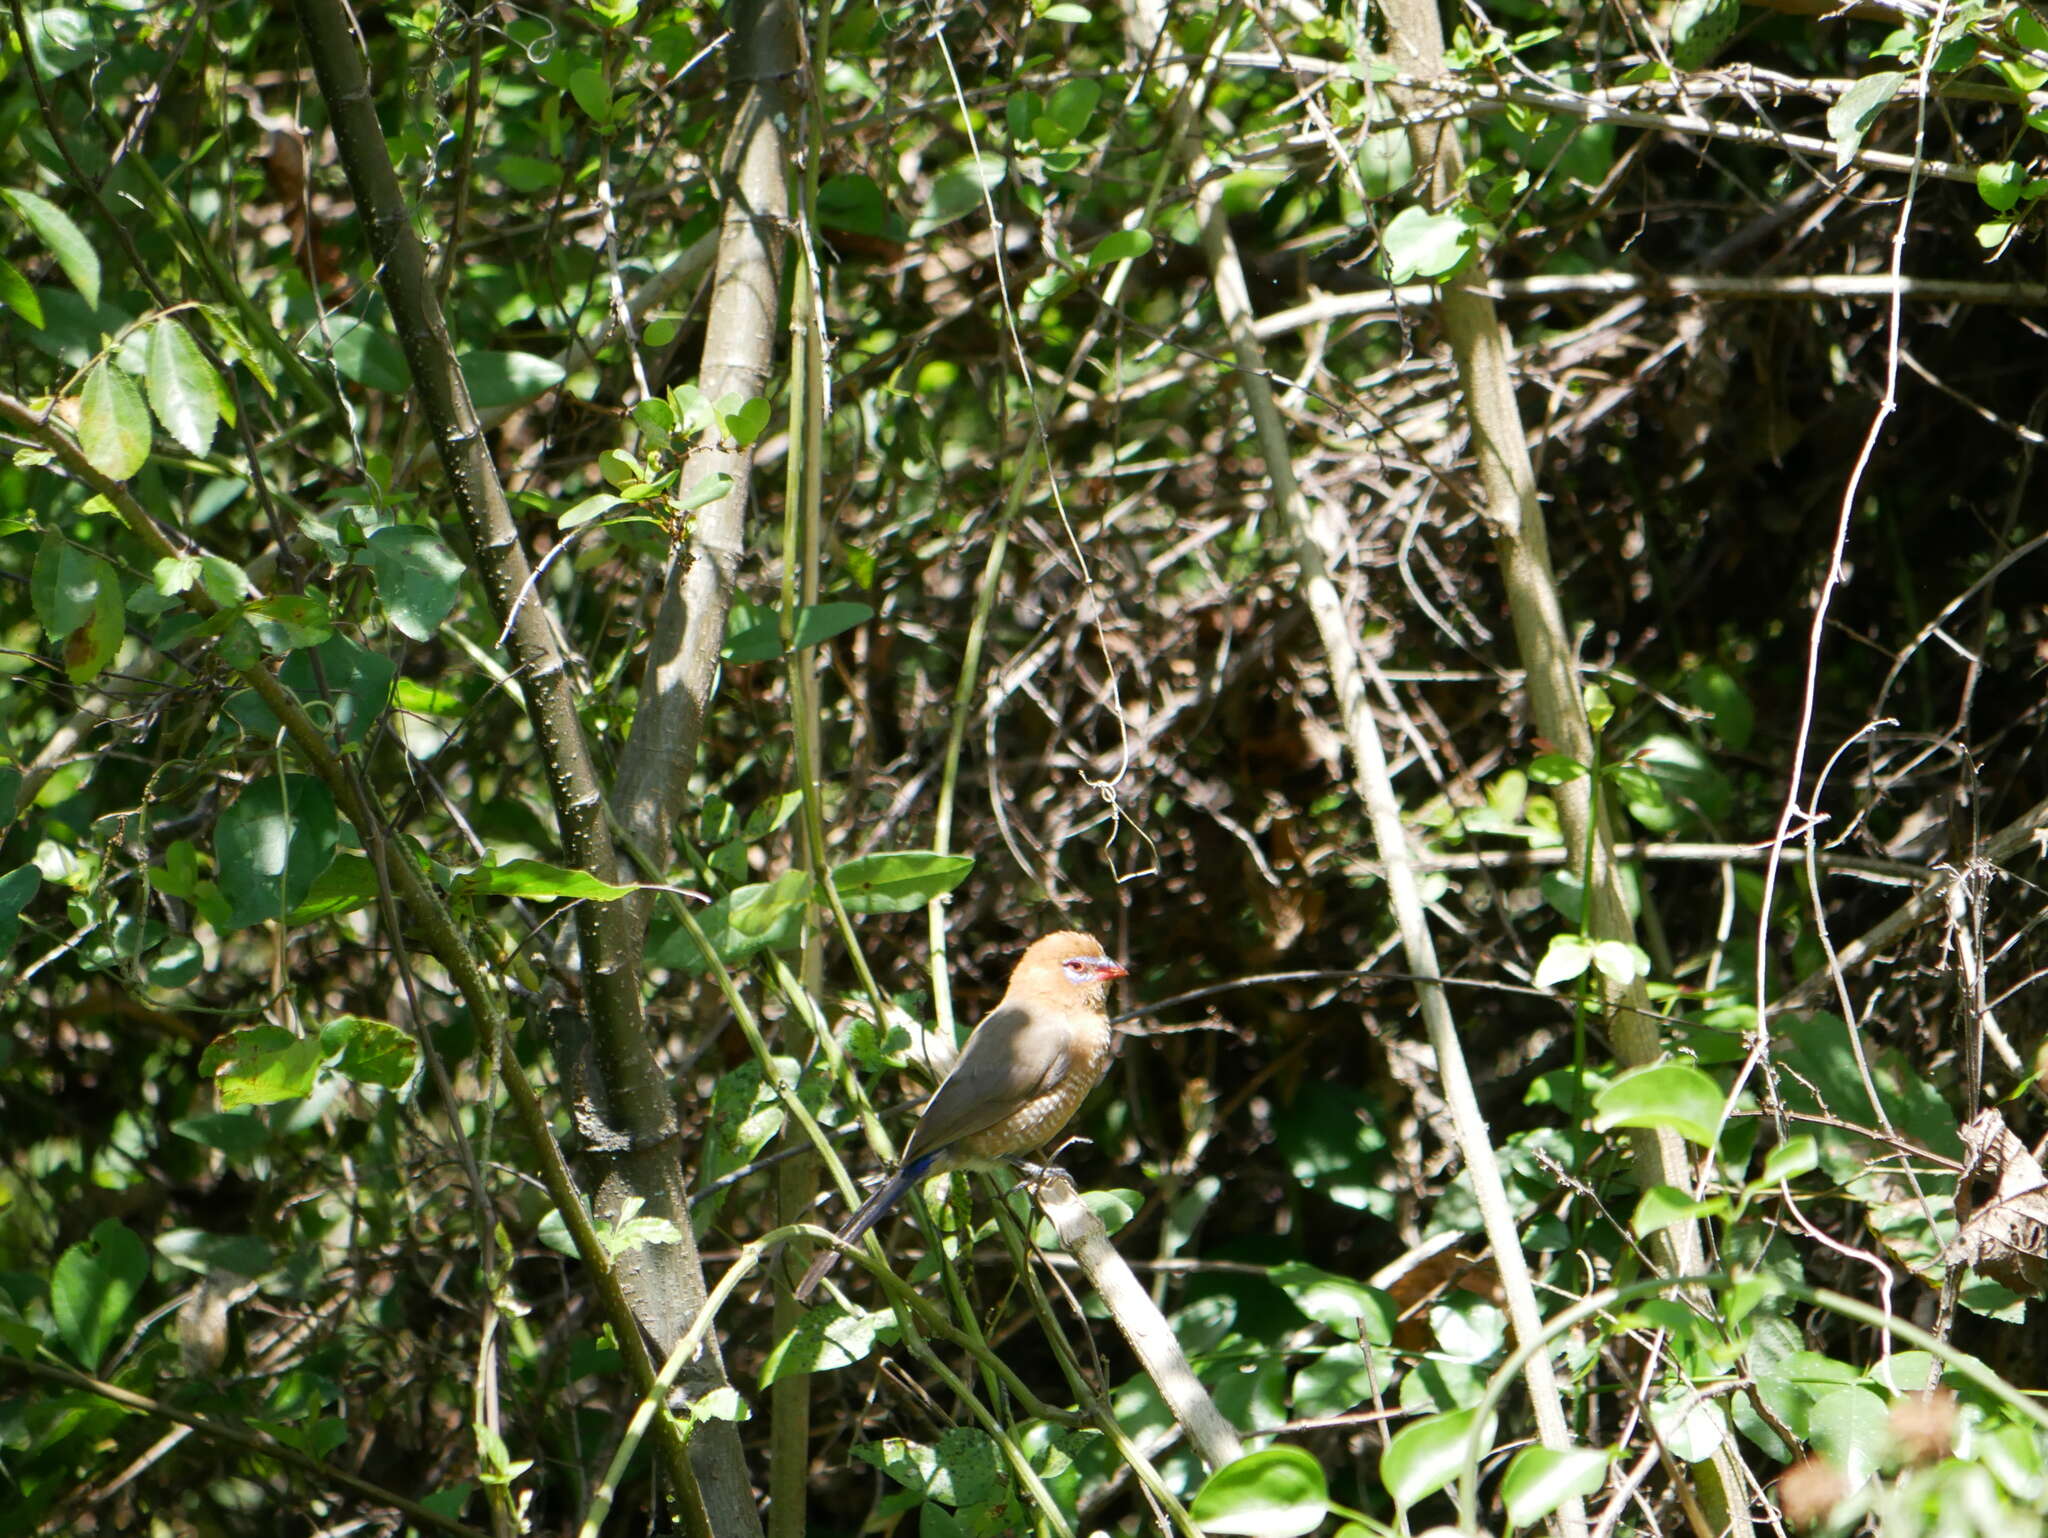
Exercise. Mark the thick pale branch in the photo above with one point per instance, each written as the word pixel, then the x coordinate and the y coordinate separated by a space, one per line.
pixel 739 354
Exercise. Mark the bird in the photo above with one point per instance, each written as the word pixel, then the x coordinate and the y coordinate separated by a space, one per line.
pixel 1025 1070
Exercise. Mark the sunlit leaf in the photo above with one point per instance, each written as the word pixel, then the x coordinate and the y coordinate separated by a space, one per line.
pixel 67 242
pixel 1276 1492
pixel 183 389
pixel 113 423
pixel 93 1288
pixel 1668 1095
pixel 900 881
pixel 272 844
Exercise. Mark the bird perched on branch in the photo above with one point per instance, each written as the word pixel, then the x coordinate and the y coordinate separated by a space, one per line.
pixel 1024 1071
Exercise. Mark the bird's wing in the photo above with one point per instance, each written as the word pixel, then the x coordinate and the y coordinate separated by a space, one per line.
pixel 1013 1056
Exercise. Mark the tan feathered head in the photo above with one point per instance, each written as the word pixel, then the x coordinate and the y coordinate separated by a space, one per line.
pixel 1068 968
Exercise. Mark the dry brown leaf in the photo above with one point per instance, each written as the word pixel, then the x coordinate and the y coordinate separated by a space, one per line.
pixel 2006 1237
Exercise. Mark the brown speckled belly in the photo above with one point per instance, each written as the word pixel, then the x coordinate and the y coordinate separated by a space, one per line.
pixel 1038 1120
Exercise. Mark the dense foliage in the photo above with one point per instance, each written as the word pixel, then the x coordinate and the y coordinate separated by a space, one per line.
pixel 380 842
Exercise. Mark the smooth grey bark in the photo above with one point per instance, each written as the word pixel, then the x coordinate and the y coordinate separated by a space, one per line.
pixel 739 354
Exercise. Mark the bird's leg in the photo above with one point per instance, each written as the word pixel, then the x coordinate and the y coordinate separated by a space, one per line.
pixel 1074 1141
pixel 1038 1174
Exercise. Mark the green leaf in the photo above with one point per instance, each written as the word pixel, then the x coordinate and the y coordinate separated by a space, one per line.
pixel 291 622
pixel 655 417
pixel 855 204
pixel 745 421
pixel 1999 183
pixel 184 391
pixel 113 423
pixel 1342 1378
pixel 1849 119
pixel 201 1252
pixel 65 584
pixel 825 1338
pixel 1417 243
pixel 814 623
pixel 1566 958
pixel 233 1132
pixel 352 686
pixel 1671 1095
pixel 757 912
pixel 1689 1425
pixel 1424 1457
pixel 1556 769
pixel 61 39
pixel 346 885
pixel 369 357
pixel 272 844
pixel 901 881
pixel 1330 1138
pixel 1699 29
pixel 93 1287
pixel 1072 104
pixel 225 582
pixel 1119 246
pixel 1852 1427
pixel 370 1051
pixel 1714 689
pixel 1663 1206
pixel 594 506
pixel 174 574
pixel 963 1469
pixel 351 689
pixel 759 905
pixel 1686 778
pixel 500 379
pixel 77 597
pixel 418 578
pixel 525 173
pixel 1599 707
pixel 261 1065
pixel 713 488
pixel 176 964
pixel 530 878
pixel 1620 962
pixel 1350 1308
pixel 19 295
pixel 959 190
pixel 66 241
pixel 1796 1156
pixel 721 1404
pixel 1276 1492
pixel 1541 1479
pixel 593 94
pixel 16 888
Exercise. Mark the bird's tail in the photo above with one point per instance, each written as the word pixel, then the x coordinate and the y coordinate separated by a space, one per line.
pixel 872 1211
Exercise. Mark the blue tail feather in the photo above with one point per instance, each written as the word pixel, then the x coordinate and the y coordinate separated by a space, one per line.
pixel 872 1211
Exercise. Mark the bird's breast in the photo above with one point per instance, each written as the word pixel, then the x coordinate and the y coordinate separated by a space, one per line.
pixel 1039 1118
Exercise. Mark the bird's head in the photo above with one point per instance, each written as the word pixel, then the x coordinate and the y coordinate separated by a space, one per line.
pixel 1068 965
